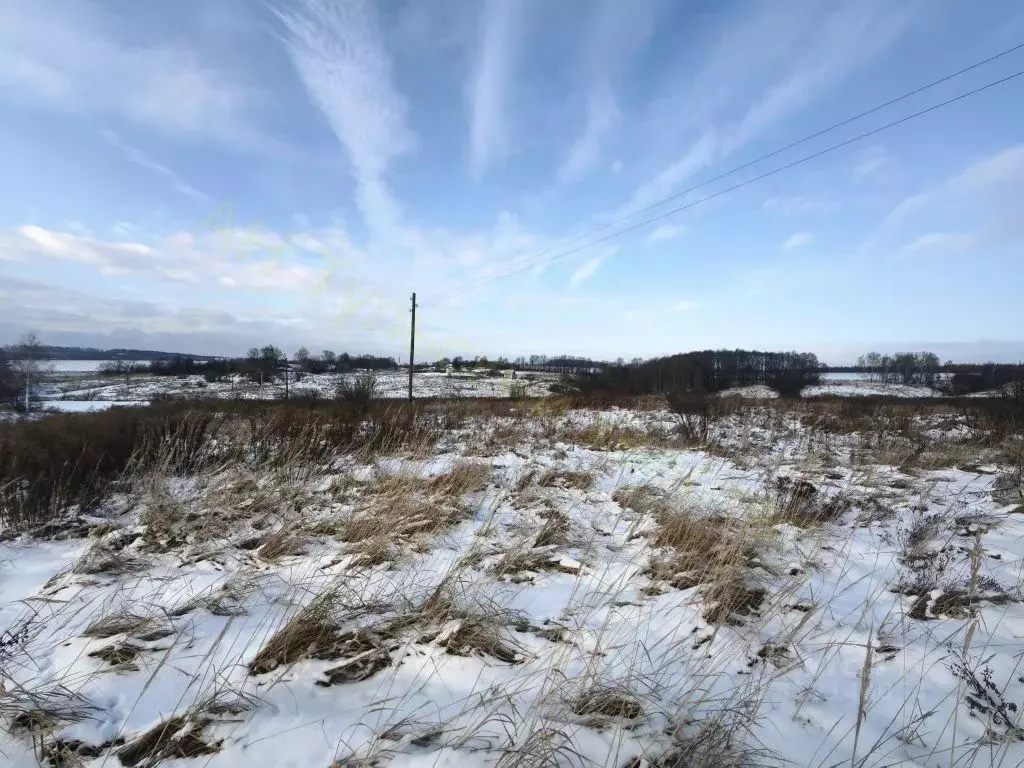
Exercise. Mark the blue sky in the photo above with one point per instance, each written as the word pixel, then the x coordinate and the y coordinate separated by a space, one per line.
pixel 206 175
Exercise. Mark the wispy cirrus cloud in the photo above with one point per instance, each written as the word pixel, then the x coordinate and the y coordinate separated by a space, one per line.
pixel 602 115
pixel 587 269
pixel 992 181
pixel 797 239
pixel 490 80
pixel 797 205
pixel 764 69
pixel 666 232
pixel 870 161
pixel 75 57
pixel 938 242
pixel 339 52
pixel 138 157
pixel 616 33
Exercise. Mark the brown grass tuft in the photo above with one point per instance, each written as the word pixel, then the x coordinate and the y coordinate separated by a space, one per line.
pixel 119 624
pixel 101 558
pixel 282 543
pixel 564 478
pixel 181 736
pixel 119 654
pixel 608 703
pixel 311 633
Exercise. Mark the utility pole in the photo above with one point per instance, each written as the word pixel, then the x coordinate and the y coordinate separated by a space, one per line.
pixel 412 344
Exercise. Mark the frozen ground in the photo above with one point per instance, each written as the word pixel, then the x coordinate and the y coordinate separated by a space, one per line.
pixel 544 589
pixel 390 384
pixel 82 385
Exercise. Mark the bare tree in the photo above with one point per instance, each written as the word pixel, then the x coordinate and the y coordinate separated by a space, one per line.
pixel 30 364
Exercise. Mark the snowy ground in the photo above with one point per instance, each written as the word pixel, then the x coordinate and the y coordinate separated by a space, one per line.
pixel 556 588
pixel 77 382
pixel 389 384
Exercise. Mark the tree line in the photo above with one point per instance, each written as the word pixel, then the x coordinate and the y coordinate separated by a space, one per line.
pixel 923 369
pixel 705 371
pixel 260 364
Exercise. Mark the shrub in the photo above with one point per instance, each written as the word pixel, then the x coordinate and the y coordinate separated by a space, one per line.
pixel 358 388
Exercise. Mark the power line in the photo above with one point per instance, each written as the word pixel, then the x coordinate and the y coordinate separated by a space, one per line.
pixel 527 262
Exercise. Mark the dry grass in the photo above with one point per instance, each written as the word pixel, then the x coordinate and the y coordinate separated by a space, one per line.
pixel 402 505
pixel 603 436
pixel 447 618
pixel 226 599
pixel 282 543
pixel 121 623
pixel 564 478
pixel 800 503
pixel 516 563
pixel 102 558
pixel 714 551
pixel 643 500
pixel 184 735
pixel 602 703
pixel 121 654
pixel 312 633
pixel 555 531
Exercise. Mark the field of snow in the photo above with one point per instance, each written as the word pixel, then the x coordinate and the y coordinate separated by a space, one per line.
pixel 538 587
pixel 389 384
pixel 79 366
pixel 82 406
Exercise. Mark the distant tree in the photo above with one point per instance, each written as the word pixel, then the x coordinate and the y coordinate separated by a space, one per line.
pixel 271 359
pixel 303 358
pixel 8 383
pixel 30 365
pixel 119 368
pixel 328 358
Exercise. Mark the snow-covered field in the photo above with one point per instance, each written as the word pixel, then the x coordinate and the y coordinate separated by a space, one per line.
pixel 81 366
pixel 82 406
pixel 85 385
pixel 389 384
pixel 542 588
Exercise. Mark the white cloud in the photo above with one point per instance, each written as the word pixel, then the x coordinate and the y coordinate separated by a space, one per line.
pixel 908 206
pixel 602 115
pixel 665 232
pixel 700 155
pixel 763 68
pixel 72 56
pixel 617 31
pixel 1002 171
pixel 489 84
pixel 837 44
pixel 940 241
pixel 585 270
pixel 339 53
pixel 870 163
pixel 796 240
pixel 685 306
pixel 233 259
pixel 137 156
pixel 797 205
pixel 993 182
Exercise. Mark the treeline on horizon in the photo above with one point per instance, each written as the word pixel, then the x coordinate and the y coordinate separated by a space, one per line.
pixel 705 371
pixel 52 352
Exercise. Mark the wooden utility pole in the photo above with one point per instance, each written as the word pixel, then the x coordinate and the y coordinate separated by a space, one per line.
pixel 412 344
